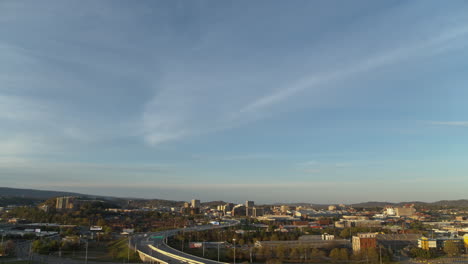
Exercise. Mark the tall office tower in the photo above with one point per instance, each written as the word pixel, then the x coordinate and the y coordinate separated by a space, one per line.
pixel 195 203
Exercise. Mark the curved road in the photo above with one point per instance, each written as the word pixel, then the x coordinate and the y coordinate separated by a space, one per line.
pixel 153 244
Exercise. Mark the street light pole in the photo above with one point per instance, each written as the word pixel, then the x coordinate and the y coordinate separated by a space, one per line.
pixel 128 250
pixel 234 250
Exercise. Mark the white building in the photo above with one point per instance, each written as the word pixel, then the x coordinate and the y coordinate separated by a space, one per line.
pixel 390 211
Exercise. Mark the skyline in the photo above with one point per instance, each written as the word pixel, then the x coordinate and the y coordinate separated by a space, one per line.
pixel 53 194
pixel 319 101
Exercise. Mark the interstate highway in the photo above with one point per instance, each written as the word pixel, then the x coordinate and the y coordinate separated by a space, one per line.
pixel 163 252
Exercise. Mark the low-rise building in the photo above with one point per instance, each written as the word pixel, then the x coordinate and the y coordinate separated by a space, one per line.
pixel 397 241
pixel 439 243
pixel 309 242
pixel 406 210
pixel 364 241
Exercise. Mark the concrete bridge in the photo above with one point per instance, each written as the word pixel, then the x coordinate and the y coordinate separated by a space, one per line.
pixel 152 247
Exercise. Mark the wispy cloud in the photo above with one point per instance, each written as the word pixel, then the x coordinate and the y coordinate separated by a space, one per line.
pixel 16 147
pixel 164 122
pixel 15 108
pixel 204 187
pixel 439 42
pixel 450 123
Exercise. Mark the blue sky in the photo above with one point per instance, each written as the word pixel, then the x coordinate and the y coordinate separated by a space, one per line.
pixel 272 101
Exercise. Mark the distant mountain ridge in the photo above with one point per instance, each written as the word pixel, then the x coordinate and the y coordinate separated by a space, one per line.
pixel 449 203
pixel 33 193
pixel 12 196
pixel 7 193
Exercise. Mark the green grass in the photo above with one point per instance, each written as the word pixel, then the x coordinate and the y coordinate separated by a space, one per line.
pixel 13 262
pixel 119 250
pixel 114 251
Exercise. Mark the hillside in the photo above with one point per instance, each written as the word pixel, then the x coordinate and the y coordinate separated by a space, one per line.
pixel 31 193
pixel 12 196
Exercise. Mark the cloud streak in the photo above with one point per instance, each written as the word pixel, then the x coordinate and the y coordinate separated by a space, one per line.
pixel 430 45
pixel 450 123
pixel 185 118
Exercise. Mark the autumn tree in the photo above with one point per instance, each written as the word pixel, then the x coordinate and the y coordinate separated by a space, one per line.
pixel 280 252
pixel 344 256
pixel 451 248
pixel 335 254
pixel 294 254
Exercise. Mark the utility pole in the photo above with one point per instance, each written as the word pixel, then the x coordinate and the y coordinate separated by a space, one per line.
pixel 30 252
pixel 380 254
pixel 3 248
pixel 203 248
pixel 86 254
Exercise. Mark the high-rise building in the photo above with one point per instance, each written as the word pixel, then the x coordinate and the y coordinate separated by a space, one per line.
pixel 186 208
pixel 239 210
pixel 256 212
pixel 65 203
pixel 195 203
pixel 249 204
pixel 195 210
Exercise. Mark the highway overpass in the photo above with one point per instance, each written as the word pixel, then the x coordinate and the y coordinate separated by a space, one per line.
pixel 152 246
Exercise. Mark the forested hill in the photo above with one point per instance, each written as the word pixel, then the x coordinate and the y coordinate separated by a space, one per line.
pixel 32 193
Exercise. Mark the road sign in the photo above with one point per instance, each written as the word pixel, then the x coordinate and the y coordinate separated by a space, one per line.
pixel 157 237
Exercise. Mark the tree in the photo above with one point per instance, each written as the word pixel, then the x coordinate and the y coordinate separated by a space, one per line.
pixel 451 248
pixel 260 253
pixel 273 261
pixel 280 252
pixel 423 254
pixel 45 246
pixel 335 254
pixel 294 254
pixel 372 255
pixel 268 253
pixel 345 233
pixel 317 253
pixel 10 247
pixel 344 254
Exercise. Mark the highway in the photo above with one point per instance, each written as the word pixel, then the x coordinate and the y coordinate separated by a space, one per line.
pixel 152 246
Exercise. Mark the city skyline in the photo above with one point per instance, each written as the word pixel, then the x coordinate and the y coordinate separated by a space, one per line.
pixel 311 101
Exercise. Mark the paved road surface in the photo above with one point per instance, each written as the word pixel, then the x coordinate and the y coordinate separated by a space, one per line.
pixel 142 242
